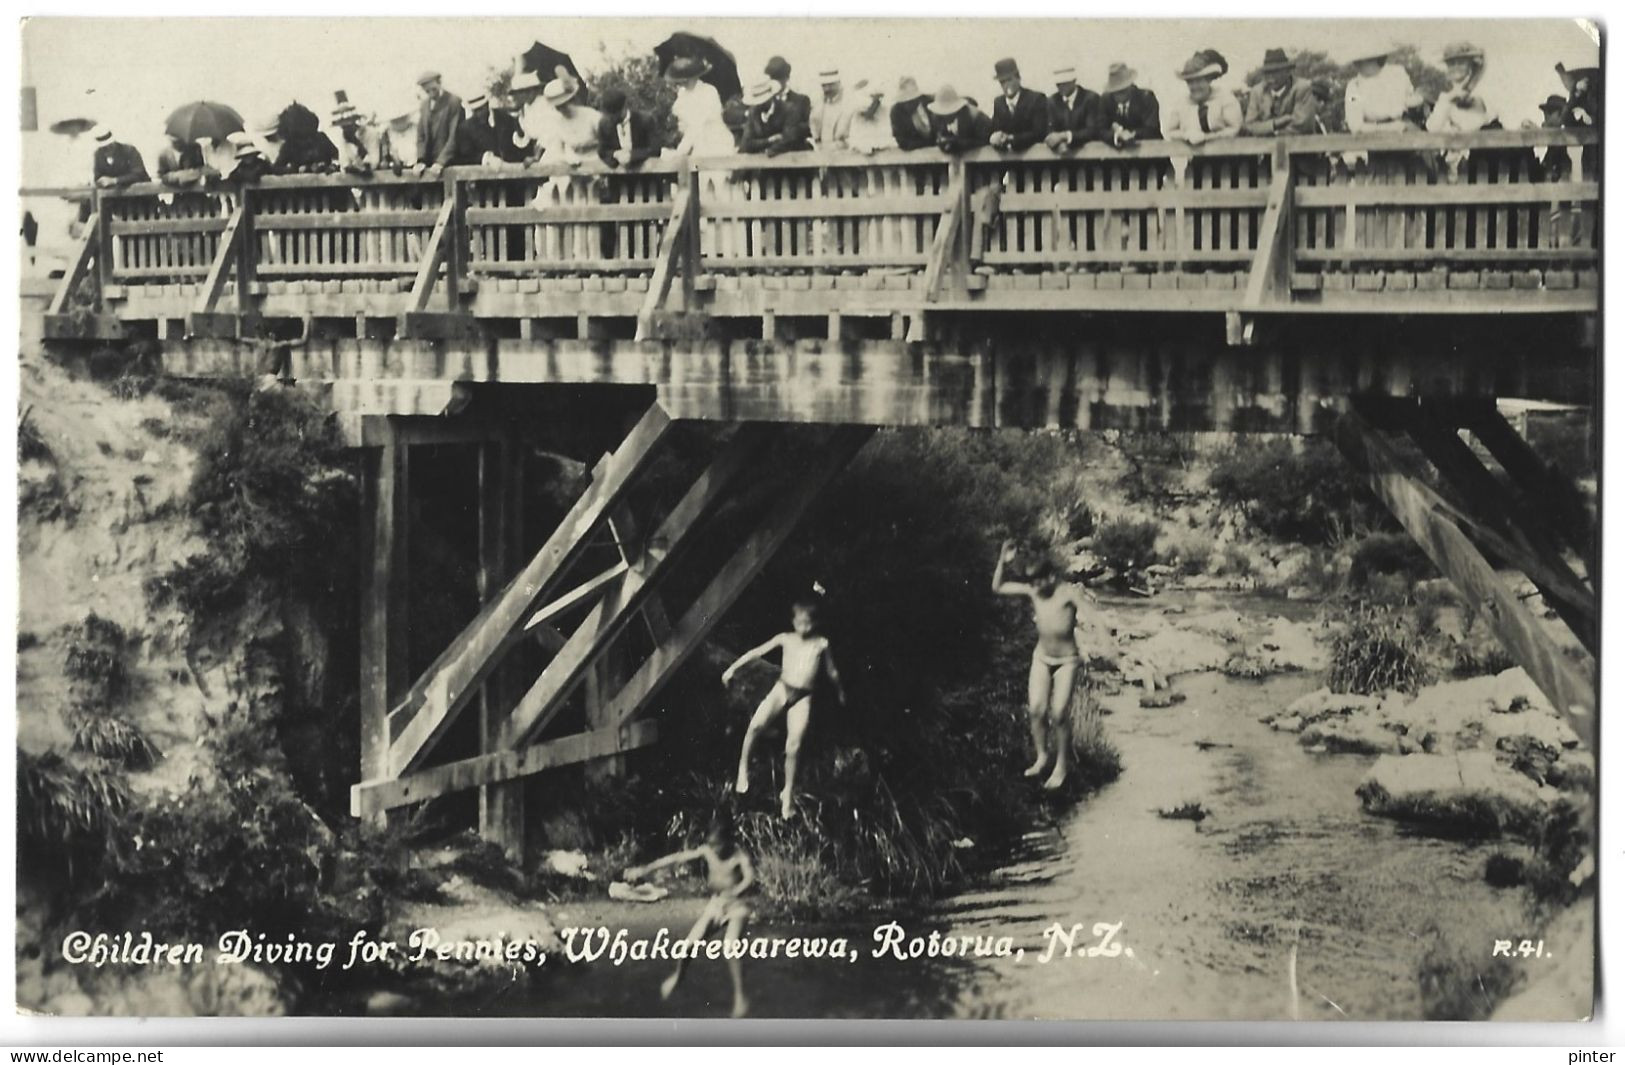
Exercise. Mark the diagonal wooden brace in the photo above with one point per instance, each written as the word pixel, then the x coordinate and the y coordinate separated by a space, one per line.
pixel 440 694
pixel 624 601
pixel 1569 684
pixel 701 617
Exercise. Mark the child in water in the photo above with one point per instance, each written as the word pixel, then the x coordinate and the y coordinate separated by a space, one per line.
pixel 1056 660
pixel 805 655
pixel 730 875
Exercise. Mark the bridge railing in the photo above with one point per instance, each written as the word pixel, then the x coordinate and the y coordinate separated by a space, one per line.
pixel 1299 207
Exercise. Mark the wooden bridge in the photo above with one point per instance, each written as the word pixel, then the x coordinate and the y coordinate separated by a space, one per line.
pixel 1313 284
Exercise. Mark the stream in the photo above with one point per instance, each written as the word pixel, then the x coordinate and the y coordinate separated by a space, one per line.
pixel 1285 880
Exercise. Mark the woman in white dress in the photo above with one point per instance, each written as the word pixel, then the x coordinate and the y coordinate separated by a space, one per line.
pixel 698 110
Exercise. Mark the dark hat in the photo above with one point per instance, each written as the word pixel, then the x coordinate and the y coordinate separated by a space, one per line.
pixel 343 109
pixel 1553 103
pixel 778 68
pixel 610 101
pixel 1571 74
pixel 685 66
pixel 1275 59
pixel 1201 65
pixel 1005 68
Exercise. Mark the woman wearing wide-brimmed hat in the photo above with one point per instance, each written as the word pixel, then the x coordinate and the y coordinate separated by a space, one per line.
pixel 1378 95
pixel 1204 114
pixel 564 128
pixel 956 124
pixel 698 110
pixel 1461 108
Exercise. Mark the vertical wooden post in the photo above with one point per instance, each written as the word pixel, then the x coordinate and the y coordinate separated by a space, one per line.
pixel 691 237
pixel 457 235
pixel 104 247
pixel 247 251
pixel 383 597
pixel 502 806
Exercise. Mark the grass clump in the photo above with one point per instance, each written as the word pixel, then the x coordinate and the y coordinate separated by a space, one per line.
pixel 1379 650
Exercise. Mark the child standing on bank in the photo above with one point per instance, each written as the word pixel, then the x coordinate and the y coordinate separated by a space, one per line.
pixel 730 875
pixel 806 654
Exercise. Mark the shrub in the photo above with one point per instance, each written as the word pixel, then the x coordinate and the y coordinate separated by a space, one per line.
pixel 1379 650
pixel 97 663
pixel 112 738
pixel 1308 496
pixel 1126 544
pixel 67 816
pixel 1389 554
pixel 1157 463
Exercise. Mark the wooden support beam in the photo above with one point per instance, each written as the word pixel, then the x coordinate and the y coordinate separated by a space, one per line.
pixel 372 797
pixel 575 595
pixel 1536 478
pixel 623 601
pixel 1269 277
pixel 1570 685
pixel 434 256
pixel 225 261
pixel 84 253
pixel 841 447
pixel 671 263
pixel 501 513
pixel 1522 542
pixel 946 246
pixel 383 597
pixel 433 703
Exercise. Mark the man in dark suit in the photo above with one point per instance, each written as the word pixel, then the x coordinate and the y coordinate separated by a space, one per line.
pixel 780 120
pixel 1020 116
pixel 116 163
pixel 438 118
pixel 1071 112
pixel 626 136
pixel 488 134
pixel 911 117
pixel 1126 113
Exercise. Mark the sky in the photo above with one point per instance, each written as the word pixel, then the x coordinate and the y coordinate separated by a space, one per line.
pixel 130 73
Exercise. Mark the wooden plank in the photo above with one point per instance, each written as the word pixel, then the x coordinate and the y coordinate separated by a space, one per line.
pixel 164 227
pixel 618 606
pixel 84 254
pixel 1453 196
pixel 1272 261
pixel 1447 254
pixel 225 260
pixel 433 256
pixel 501 513
pixel 375 796
pixel 1536 479
pixel 1569 685
pixel 675 245
pixel 700 618
pixel 422 218
pixel 543 216
pixel 575 595
pixel 383 597
pixel 433 703
pixel 945 243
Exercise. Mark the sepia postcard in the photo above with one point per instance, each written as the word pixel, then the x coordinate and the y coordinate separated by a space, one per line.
pixel 809 518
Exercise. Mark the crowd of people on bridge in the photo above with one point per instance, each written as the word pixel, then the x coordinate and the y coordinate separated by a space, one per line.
pixel 525 118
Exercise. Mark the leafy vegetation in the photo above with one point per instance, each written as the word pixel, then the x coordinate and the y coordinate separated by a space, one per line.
pixel 1316 66
pixel 1307 495
pixel 1380 650
pixel 1125 544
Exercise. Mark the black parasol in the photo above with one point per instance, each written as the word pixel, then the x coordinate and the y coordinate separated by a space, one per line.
pixel 204 118
pixel 724 73
pixel 545 62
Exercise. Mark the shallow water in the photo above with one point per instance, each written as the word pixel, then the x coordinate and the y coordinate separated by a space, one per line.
pixel 1286 878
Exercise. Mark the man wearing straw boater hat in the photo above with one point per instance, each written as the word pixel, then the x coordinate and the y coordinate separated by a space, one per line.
pixel 911 116
pixel 114 163
pixel 489 134
pixel 1203 114
pixel 956 125
pixel 780 119
pixel 1020 116
pixel 831 116
pixel 1127 113
pixel 438 118
pixel 1281 102
pixel 1071 112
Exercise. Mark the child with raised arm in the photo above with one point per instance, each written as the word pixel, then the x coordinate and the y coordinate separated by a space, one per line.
pixel 1056 660
pixel 730 875
pixel 805 655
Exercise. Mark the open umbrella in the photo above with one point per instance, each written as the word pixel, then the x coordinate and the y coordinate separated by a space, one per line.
pixel 724 73
pixel 545 62
pixel 195 121
pixel 72 127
